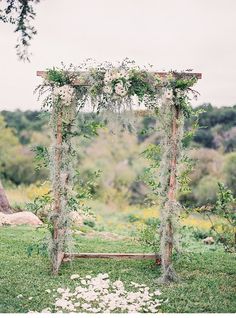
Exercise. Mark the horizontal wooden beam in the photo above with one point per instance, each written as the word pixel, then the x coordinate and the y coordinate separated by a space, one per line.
pixel 160 74
pixel 138 256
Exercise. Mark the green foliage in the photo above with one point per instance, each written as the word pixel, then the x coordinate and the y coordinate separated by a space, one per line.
pixel 224 226
pixel 230 171
pixel 25 123
pixel 148 235
pixel 15 160
pixel 201 234
pixel 225 119
pixel 21 14
pixel 132 218
pixel 142 84
pixel 225 208
pixel 41 156
pixel 206 190
pixel 58 76
pixel 40 206
pixel 89 223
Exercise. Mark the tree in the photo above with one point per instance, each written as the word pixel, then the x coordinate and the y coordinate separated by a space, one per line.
pixel 20 13
pixel 4 203
pixel 230 171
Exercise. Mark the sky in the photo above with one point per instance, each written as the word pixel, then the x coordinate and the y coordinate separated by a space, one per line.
pixel 169 34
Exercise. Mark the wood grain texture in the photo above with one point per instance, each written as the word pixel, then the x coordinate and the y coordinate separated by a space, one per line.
pixel 138 256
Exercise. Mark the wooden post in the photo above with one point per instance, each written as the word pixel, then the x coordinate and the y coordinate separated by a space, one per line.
pixel 57 252
pixel 172 192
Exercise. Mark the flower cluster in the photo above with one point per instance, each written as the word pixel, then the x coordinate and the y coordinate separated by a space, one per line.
pixel 65 93
pixel 99 295
pixel 116 82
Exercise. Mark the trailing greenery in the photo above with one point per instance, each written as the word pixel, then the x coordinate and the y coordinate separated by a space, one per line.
pixel 21 14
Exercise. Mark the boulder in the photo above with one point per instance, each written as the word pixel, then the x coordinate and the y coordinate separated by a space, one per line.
pixel 20 218
pixel 77 218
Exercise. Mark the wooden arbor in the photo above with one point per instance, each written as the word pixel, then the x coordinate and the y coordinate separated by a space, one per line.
pixel 171 199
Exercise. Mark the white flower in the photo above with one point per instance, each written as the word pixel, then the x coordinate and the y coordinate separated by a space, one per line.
pixel 157 293
pixel 107 89
pixel 109 76
pixel 98 294
pixel 48 291
pixel 46 310
pixel 120 89
pixel 65 92
pixel 118 284
pixel 60 290
pixel 75 276
pixel 86 306
pixel 168 94
pixel 19 296
pixel 123 74
pixel 83 282
pixel 30 298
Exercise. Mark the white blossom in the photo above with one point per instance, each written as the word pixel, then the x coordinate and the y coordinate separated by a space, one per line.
pixel 120 89
pixel 65 92
pixel 168 94
pixel 75 276
pixel 107 89
pixel 99 294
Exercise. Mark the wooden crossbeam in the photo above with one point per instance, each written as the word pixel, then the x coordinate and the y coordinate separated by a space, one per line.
pixel 160 74
pixel 138 256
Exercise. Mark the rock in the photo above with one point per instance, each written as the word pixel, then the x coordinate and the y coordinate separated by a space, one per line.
pixel 209 240
pixel 20 218
pixel 78 219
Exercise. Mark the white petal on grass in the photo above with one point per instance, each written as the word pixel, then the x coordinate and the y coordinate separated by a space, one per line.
pixel 99 294
pixel 75 276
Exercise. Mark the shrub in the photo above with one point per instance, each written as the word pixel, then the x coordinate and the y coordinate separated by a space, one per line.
pixel 206 190
pixel 148 235
pixel 89 223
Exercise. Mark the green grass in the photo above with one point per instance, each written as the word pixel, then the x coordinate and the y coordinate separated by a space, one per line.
pixel 207 280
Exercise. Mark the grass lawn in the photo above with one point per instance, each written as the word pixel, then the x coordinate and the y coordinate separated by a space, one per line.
pixel 207 279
